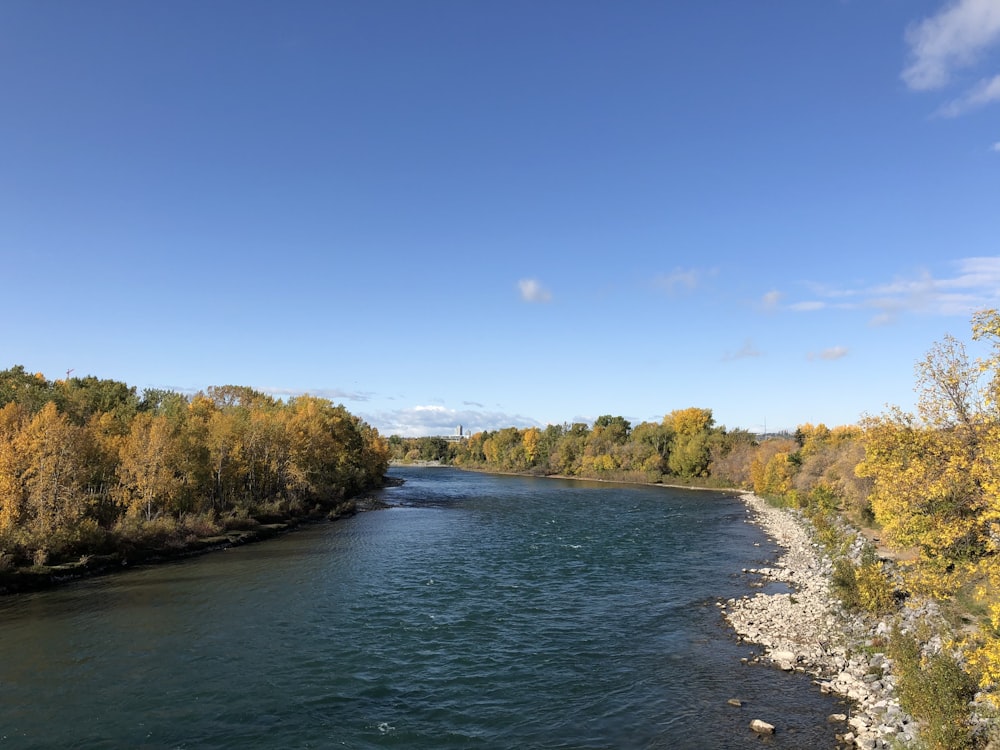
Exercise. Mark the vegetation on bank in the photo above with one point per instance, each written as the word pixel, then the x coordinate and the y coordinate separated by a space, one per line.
pixel 928 483
pixel 88 468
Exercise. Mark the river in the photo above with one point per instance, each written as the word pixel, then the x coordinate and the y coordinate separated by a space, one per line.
pixel 477 611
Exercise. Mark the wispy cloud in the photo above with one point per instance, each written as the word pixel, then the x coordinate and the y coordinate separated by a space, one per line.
pixel 974 284
pixel 834 352
pixel 954 39
pixel 747 351
pixel 951 40
pixel 771 300
pixel 981 94
pixel 533 291
pixel 332 394
pixel 682 279
pixel 421 421
pixel 995 147
pixel 808 306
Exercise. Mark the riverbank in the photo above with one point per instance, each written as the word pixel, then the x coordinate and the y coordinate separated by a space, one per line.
pixel 808 630
pixel 23 579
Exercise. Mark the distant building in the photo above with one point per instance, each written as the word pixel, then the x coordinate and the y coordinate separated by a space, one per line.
pixel 458 437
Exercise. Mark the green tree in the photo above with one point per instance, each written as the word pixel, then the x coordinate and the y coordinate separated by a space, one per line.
pixel 31 391
pixel 80 399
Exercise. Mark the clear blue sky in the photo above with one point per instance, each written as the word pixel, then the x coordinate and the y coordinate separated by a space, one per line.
pixel 485 213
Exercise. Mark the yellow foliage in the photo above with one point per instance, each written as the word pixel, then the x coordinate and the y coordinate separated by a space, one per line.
pixel 689 421
pixel 812 437
pixel 599 464
pixel 773 477
pixel 985 654
pixel 529 441
pixel 51 467
pixel 770 470
pixel 149 479
pixel 925 490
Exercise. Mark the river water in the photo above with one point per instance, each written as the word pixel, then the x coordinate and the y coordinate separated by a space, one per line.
pixel 476 612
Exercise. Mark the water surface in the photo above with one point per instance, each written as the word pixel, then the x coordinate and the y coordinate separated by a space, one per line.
pixel 477 612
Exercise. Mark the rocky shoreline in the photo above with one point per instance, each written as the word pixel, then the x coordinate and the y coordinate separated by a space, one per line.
pixel 807 630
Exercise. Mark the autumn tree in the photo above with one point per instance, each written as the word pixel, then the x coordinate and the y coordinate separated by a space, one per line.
pixel 567 455
pixel 530 442
pixel 690 450
pixel 504 450
pixel 13 417
pixel 150 479
pixel 603 445
pixel 50 506
pixel 927 483
pixel 771 469
pixel 731 456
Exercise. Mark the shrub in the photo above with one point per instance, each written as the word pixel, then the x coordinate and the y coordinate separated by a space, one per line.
pixel 875 592
pixel 845 583
pixel 863 586
pixel 828 531
pixel 935 690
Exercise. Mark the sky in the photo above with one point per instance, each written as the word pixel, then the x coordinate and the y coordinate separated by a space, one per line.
pixel 495 214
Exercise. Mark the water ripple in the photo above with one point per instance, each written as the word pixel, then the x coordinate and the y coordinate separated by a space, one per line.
pixel 478 611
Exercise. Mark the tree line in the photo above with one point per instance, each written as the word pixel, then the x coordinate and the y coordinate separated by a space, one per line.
pixel 87 465
pixel 813 464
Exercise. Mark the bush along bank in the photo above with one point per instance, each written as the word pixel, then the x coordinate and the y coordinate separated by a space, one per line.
pixel 847 622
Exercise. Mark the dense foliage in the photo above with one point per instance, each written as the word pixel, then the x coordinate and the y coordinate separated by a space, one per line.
pixel 936 486
pixel 681 446
pixel 87 465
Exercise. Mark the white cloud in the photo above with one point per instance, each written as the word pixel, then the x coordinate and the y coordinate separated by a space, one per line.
pixel 973 285
pixel 834 352
pixel 951 40
pixel 981 94
pixel 421 421
pixel 995 147
pixel 533 291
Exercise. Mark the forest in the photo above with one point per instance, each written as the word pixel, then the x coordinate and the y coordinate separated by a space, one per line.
pixel 89 467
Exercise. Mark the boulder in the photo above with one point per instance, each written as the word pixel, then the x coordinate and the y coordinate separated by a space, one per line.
pixel 761 727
